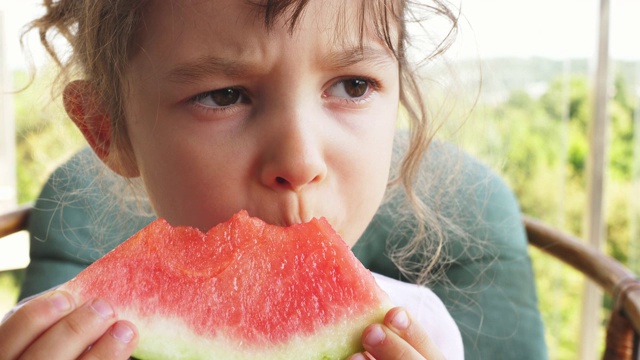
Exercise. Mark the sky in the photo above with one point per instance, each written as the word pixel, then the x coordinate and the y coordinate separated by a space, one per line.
pixel 551 28
pixel 557 29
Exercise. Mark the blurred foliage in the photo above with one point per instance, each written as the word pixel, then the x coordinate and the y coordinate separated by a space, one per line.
pixel 45 136
pixel 541 148
pixel 9 287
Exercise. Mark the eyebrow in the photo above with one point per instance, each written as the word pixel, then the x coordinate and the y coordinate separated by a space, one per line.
pixel 205 66
pixel 192 71
pixel 353 55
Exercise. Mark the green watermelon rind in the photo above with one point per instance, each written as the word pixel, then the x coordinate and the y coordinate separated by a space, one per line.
pixel 162 339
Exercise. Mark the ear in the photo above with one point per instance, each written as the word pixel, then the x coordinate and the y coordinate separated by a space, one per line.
pixel 84 107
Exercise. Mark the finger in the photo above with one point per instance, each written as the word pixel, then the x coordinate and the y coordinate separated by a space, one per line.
pixel 74 333
pixel 117 343
pixel 384 344
pixel 399 338
pixel 29 322
pixel 357 356
pixel 401 323
pixel 360 356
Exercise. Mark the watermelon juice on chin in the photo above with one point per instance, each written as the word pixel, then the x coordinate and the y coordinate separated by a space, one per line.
pixel 243 290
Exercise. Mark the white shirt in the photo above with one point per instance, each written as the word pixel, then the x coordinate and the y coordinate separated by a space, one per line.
pixel 427 309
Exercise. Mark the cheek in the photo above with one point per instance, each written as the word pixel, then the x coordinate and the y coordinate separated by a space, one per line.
pixel 379 147
pixel 369 174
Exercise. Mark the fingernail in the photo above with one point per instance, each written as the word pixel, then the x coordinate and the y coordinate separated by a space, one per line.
pixel 401 320
pixel 102 308
pixel 122 332
pixel 60 301
pixel 358 356
pixel 375 335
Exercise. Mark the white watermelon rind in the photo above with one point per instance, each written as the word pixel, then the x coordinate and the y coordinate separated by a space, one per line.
pixel 171 339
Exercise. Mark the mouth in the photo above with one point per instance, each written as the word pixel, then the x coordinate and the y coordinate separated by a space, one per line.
pixel 296 218
pixel 283 219
pixel 286 210
pixel 290 209
pixel 286 219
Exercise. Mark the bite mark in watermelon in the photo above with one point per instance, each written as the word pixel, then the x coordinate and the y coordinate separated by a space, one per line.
pixel 243 290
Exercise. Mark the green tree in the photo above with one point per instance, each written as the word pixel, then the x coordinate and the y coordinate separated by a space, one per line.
pixel 45 136
pixel 542 147
pixel 621 112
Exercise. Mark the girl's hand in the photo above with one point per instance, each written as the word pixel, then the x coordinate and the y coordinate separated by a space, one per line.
pixel 398 338
pixel 52 326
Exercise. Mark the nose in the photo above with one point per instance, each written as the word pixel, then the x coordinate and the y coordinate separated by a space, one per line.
pixel 293 156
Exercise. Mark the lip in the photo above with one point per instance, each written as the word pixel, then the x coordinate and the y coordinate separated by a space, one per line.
pixel 286 209
pixel 284 221
pixel 292 218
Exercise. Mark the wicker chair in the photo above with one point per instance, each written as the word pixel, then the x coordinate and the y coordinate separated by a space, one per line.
pixel 619 282
pixel 14 221
pixel 615 279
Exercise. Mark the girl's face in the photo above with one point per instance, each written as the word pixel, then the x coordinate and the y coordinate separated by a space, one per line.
pixel 225 115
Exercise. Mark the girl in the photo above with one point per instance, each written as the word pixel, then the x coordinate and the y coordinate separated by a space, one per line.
pixel 284 108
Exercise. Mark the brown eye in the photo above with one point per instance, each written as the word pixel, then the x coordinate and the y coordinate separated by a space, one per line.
pixel 225 97
pixel 356 87
pixel 350 88
pixel 220 98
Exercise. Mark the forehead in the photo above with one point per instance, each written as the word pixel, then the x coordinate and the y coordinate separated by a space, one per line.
pixel 341 23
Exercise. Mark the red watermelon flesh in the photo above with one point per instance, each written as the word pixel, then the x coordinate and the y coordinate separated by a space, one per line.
pixel 243 290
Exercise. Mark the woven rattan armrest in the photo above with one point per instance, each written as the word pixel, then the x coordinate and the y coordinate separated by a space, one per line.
pixel 14 220
pixel 609 274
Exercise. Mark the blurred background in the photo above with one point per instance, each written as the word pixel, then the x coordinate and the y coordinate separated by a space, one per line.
pixel 35 135
pixel 523 85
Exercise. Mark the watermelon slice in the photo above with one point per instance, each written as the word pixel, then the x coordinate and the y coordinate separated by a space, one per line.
pixel 243 290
